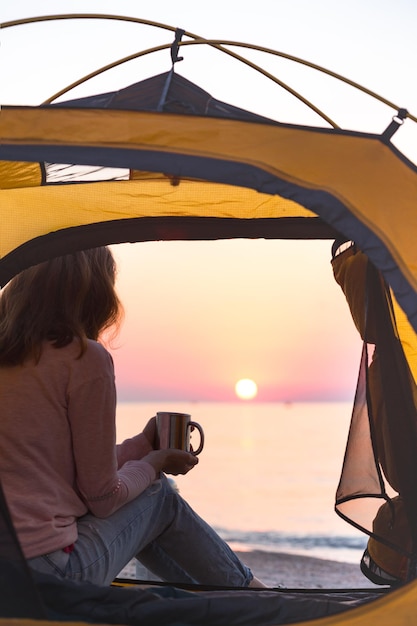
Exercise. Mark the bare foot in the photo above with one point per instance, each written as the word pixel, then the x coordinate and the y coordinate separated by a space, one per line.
pixel 255 582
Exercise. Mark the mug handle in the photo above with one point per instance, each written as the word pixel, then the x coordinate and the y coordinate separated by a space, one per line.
pixel 200 430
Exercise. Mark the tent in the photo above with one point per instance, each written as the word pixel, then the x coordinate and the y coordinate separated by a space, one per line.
pixel 163 160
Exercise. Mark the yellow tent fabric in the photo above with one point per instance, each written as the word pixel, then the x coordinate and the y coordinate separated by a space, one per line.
pixel 50 209
pixel 355 183
pixel 398 608
pixel 14 175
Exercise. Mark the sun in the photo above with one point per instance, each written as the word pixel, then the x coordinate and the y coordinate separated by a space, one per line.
pixel 246 389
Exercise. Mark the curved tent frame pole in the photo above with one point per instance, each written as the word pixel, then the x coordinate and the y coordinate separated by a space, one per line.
pixel 215 43
pixel 218 44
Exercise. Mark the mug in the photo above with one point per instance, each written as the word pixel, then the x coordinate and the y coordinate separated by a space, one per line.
pixel 173 431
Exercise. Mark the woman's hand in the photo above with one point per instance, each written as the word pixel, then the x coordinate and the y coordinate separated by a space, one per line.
pixel 150 431
pixel 171 461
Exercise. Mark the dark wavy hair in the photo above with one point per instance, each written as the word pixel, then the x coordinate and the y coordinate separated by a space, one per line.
pixel 66 298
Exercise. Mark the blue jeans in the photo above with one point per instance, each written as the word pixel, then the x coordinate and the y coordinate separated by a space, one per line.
pixel 158 528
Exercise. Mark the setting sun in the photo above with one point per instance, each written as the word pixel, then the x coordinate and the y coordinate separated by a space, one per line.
pixel 246 389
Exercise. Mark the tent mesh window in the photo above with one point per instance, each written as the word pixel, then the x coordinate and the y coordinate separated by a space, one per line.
pixel 378 484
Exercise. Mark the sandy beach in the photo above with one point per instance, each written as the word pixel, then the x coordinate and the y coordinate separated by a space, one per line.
pixel 296 571
pixel 292 571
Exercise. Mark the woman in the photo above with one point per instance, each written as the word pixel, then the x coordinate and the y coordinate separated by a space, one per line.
pixel 83 506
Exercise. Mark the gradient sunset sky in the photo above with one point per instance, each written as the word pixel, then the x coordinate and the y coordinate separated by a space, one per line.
pixel 201 315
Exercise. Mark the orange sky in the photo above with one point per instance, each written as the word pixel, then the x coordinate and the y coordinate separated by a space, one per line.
pixel 201 315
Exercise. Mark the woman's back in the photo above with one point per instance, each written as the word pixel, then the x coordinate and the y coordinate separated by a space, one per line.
pixel 41 418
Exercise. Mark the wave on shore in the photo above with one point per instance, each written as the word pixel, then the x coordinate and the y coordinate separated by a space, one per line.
pixel 342 548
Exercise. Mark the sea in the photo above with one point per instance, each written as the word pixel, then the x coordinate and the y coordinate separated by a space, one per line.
pixel 267 475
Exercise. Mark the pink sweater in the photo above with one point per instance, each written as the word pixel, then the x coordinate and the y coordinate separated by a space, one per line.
pixel 58 456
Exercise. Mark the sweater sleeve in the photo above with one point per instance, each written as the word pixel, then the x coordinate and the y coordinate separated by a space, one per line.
pixel 103 483
pixel 135 448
